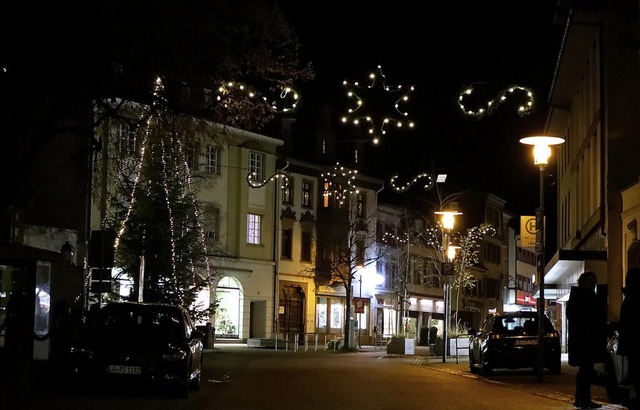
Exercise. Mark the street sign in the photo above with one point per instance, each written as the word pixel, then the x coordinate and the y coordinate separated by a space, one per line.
pixel 527 231
pixel 447 269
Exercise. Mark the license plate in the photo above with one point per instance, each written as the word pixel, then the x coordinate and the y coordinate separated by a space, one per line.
pixel 123 369
pixel 526 342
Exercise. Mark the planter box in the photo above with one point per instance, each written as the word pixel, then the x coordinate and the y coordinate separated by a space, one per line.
pixel 461 348
pixel 401 345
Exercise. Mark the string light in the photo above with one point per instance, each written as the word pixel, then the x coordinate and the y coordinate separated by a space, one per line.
pixel 376 109
pixel 170 172
pixel 254 183
pixel 491 105
pixel 400 189
pixel 280 100
pixel 339 182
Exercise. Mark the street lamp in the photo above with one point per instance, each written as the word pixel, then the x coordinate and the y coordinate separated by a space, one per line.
pixel 448 219
pixel 541 153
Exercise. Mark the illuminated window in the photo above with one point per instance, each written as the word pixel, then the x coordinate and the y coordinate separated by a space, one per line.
pixel 307 188
pixel 125 138
pixel 254 225
pixel 255 165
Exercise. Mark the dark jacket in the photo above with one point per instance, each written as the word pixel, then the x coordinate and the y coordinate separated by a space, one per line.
pixel 587 327
pixel 629 342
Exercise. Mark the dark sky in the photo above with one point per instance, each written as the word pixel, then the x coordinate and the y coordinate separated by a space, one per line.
pixel 440 47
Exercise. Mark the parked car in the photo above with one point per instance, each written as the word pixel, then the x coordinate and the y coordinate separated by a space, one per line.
pixel 615 376
pixel 509 340
pixel 141 342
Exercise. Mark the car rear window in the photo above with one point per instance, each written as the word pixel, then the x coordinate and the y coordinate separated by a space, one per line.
pixel 137 321
pixel 523 325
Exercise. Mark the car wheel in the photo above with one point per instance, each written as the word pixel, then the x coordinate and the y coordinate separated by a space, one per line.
pixel 473 369
pixel 196 382
pixel 485 366
pixel 555 367
pixel 181 388
pixel 615 393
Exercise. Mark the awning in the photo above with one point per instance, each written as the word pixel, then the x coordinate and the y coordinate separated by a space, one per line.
pixel 566 262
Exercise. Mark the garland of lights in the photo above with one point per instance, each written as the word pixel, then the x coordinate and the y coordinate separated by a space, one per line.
pixel 492 104
pixel 376 113
pixel 430 182
pixel 339 182
pixel 254 183
pixel 283 99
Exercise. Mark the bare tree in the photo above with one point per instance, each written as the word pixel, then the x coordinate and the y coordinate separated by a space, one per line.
pixel 345 243
pixel 467 257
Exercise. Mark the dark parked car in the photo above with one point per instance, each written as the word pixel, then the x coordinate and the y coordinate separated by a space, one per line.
pixel 510 341
pixel 141 342
pixel 615 377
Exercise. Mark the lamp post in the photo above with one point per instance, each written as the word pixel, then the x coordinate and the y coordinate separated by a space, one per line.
pixel 448 219
pixel 360 301
pixel 541 153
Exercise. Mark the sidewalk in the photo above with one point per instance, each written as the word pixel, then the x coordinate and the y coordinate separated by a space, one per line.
pixel 560 386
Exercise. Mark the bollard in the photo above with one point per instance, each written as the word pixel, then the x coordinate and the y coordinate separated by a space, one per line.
pixel 316 343
pixel 296 340
pixel 208 337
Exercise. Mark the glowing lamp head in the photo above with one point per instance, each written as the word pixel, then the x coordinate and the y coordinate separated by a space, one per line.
pixel 448 218
pixel 451 252
pixel 541 147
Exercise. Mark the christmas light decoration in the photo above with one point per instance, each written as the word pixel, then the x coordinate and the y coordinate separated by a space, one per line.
pixel 492 104
pixel 373 105
pixel 400 189
pixel 339 182
pixel 163 145
pixel 280 100
pixel 253 183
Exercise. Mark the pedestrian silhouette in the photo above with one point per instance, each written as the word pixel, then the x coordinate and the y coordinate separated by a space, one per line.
pixel 587 336
pixel 61 334
pixel 629 342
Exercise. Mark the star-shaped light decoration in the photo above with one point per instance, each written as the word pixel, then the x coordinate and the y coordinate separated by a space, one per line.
pixel 492 104
pixel 339 182
pixel 374 105
pixel 400 189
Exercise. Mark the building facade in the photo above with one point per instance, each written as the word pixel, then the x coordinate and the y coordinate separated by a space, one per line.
pixel 592 98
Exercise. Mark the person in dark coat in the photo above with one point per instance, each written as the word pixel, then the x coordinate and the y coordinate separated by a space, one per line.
pixel 629 336
pixel 587 336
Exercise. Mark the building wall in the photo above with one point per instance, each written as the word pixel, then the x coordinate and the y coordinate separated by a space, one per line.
pixel 595 87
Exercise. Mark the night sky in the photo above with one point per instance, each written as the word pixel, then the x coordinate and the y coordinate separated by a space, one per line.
pixel 439 48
